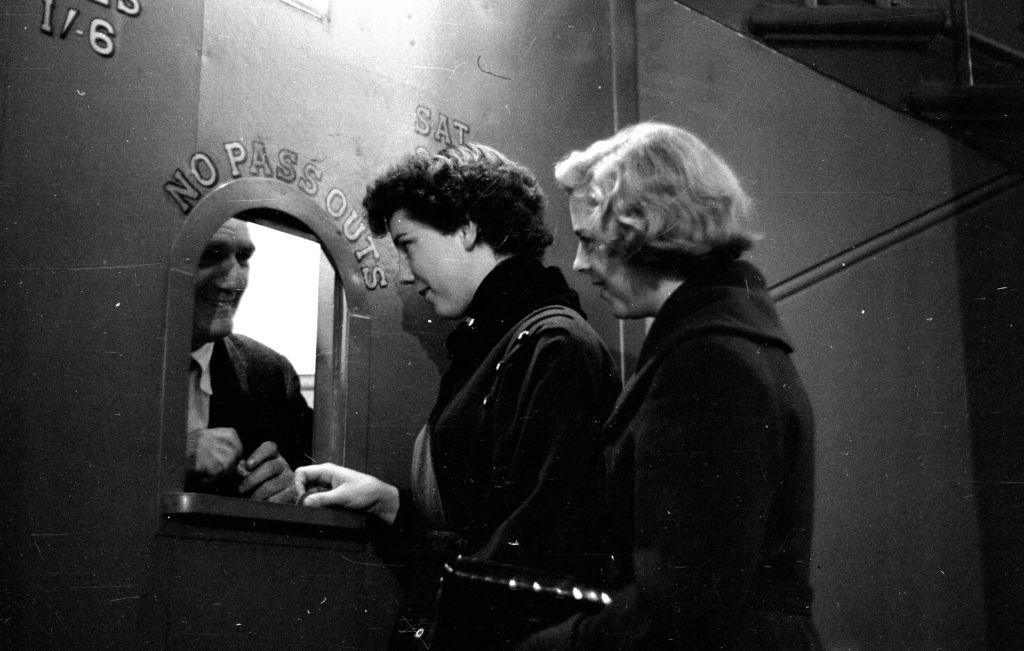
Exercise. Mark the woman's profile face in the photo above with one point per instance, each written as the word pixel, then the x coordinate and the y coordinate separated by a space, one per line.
pixel 617 281
pixel 434 263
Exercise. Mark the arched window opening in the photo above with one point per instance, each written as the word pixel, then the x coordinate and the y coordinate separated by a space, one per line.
pixel 299 299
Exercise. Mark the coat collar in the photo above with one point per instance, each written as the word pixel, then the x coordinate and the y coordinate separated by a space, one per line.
pixel 728 297
pixel 514 288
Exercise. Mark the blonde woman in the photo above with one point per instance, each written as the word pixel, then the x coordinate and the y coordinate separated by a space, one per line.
pixel 709 476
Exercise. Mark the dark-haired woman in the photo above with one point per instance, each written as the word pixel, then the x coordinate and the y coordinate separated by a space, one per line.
pixel 507 465
pixel 709 479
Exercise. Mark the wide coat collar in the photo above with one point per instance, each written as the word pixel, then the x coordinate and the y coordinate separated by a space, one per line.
pixel 516 287
pixel 513 289
pixel 728 297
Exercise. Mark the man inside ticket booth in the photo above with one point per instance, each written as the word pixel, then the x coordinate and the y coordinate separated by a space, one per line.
pixel 248 423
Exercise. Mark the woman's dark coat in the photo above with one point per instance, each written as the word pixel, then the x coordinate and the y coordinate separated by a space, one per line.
pixel 515 439
pixel 709 481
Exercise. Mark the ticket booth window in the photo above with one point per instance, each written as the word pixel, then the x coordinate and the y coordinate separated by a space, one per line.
pixel 302 300
pixel 279 308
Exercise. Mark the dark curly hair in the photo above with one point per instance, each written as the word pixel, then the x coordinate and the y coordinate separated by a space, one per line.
pixel 462 184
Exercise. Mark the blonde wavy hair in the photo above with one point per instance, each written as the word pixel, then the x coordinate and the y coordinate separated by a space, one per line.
pixel 666 199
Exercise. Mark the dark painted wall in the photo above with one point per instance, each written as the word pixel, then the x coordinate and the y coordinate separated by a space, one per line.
pixel 991 281
pixel 85 145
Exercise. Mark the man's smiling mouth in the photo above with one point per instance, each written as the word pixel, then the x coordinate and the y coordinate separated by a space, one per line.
pixel 224 299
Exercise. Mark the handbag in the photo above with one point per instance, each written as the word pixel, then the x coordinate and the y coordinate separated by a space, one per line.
pixel 488 605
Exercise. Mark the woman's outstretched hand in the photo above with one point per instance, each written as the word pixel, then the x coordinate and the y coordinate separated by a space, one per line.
pixel 327 484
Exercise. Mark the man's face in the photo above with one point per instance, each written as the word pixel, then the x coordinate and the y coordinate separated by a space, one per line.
pixel 435 263
pixel 220 280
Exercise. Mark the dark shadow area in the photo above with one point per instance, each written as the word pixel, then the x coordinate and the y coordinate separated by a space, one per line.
pixel 989 245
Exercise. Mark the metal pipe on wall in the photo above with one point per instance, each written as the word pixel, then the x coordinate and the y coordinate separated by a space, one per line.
pixel 962 37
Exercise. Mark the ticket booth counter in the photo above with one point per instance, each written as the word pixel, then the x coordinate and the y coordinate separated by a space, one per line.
pixel 235 570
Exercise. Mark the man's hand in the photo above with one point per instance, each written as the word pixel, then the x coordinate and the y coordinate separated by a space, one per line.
pixel 347 488
pixel 267 476
pixel 213 452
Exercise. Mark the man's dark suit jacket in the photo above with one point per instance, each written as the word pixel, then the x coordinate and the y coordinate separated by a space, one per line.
pixel 256 391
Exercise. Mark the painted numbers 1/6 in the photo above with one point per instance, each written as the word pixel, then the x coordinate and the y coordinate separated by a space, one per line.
pixel 101 32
